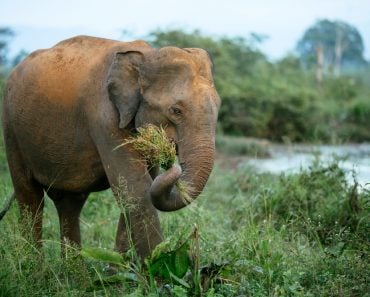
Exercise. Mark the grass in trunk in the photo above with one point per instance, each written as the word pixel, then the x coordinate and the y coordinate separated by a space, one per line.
pixel 157 150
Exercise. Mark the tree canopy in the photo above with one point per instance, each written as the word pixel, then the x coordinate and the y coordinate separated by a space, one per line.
pixel 5 34
pixel 276 100
pixel 340 41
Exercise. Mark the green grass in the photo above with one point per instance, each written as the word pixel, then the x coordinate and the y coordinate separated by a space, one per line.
pixel 290 235
pixel 234 146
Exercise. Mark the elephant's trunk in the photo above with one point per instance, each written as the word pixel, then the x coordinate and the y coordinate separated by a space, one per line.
pixel 196 161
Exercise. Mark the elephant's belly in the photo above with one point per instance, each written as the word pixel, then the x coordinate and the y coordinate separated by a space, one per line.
pixel 57 150
pixel 74 177
pixel 67 166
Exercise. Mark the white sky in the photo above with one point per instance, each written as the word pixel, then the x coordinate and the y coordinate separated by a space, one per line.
pixel 42 23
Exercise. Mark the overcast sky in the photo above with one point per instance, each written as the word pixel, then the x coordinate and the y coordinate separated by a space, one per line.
pixel 42 23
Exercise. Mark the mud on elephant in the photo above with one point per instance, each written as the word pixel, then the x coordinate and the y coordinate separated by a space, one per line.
pixel 66 108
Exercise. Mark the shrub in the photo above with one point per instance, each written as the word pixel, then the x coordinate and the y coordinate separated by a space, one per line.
pixel 281 100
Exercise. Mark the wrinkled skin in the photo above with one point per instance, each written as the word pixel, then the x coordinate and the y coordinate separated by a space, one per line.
pixel 66 109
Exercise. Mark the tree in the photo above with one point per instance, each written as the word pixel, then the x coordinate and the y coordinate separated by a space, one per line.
pixel 5 34
pixel 341 44
pixel 235 58
pixel 19 57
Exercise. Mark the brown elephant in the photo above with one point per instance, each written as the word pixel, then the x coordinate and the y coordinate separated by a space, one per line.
pixel 65 110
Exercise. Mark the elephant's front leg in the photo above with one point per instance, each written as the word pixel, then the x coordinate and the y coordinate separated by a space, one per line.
pixel 130 181
pixel 138 227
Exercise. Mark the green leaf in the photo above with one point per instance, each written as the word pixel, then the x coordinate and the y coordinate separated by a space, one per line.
pixel 175 262
pixel 111 280
pixel 117 278
pixel 179 291
pixel 180 281
pixel 103 255
pixel 181 260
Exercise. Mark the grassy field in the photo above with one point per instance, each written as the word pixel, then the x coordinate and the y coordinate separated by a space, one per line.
pixel 249 234
pixel 305 234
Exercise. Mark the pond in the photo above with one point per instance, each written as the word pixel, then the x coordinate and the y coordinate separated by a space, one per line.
pixel 354 158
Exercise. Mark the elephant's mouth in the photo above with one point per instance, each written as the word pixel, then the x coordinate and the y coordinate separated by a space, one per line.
pixel 175 143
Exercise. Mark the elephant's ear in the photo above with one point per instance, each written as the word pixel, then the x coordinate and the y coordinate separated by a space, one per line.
pixel 202 55
pixel 123 85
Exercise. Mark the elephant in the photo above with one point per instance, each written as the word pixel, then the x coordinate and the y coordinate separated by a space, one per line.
pixel 67 108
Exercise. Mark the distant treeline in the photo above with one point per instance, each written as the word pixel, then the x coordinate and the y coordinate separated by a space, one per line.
pixel 283 100
pixel 321 93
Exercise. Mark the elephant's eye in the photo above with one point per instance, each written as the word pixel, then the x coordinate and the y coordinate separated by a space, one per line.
pixel 175 111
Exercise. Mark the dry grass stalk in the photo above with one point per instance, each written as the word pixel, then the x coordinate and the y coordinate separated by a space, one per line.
pixel 184 188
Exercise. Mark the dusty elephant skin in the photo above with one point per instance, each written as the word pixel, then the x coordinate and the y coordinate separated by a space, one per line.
pixel 65 110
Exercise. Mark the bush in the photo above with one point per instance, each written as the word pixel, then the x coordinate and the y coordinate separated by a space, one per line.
pixel 242 146
pixel 279 101
pixel 304 234
pixel 317 202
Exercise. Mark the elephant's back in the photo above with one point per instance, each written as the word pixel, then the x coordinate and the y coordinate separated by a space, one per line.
pixel 62 71
pixel 59 71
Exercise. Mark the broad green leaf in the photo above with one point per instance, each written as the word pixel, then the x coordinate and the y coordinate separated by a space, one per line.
pixel 159 266
pixel 117 278
pixel 180 281
pixel 181 260
pixel 175 262
pixel 103 255
pixel 179 291
pixel 111 280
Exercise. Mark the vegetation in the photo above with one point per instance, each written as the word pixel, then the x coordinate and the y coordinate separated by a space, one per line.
pixel 280 101
pixel 5 34
pixel 304 234
pixel 252 234
pixel 153 145
pixel 240 146
pixel 341 43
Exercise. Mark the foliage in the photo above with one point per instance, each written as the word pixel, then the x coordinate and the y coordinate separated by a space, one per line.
pixel 3 163
pixel 319 200
pixel 5 34
pixel 303 234
pixel 170 264
pixel 329 34
pixel 232 145
pixel 279 101
pixel 19 57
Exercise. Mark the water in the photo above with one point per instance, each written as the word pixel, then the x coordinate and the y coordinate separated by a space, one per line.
pixel 290 159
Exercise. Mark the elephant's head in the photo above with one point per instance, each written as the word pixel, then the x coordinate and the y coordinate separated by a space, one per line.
pixel 174 88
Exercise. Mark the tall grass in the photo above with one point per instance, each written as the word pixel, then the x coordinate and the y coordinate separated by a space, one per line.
pixel 304 234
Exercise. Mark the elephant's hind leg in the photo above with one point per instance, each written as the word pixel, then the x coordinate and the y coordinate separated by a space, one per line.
pixel 30 197
pixel 69 206
pixel 28 192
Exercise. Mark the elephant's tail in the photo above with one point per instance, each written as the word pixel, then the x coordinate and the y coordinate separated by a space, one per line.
pixel 7 206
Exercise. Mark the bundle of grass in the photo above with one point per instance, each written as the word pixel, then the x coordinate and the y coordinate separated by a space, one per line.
pixel 157 150
pixel 154 146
